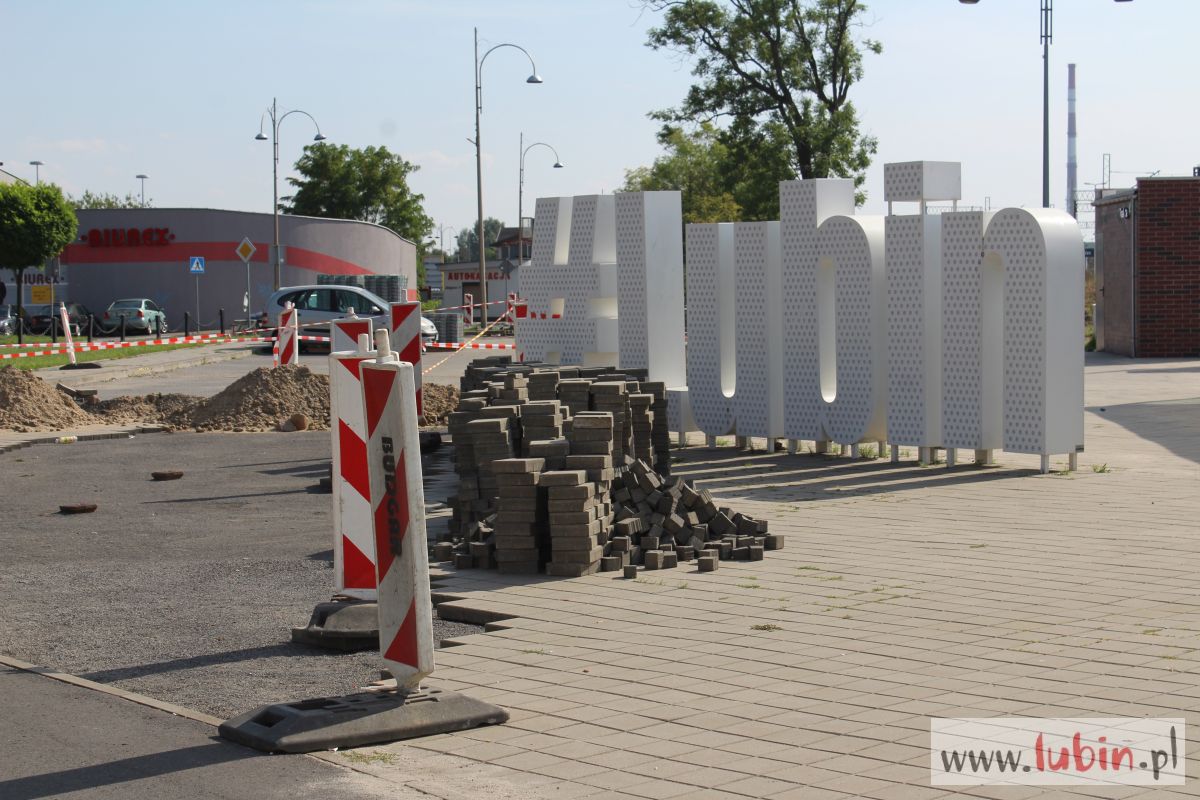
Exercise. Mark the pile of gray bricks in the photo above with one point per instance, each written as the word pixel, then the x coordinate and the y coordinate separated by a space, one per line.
pixel 566 470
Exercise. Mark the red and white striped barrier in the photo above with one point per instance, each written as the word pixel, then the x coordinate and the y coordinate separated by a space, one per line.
pixel 469 300
pixel 287 348
pixel 405 321
pixel 398 516
pixel 353 542
pixel 470 346
pixel 344 332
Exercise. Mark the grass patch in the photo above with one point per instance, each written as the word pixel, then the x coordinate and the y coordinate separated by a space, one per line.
pixel 537 652
pixel 748 586
pixel 41 362
pixel 767 626
pixel 977 546
pixel 1101 468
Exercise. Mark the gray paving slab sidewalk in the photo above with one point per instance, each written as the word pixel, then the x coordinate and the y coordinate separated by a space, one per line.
pixel 904 593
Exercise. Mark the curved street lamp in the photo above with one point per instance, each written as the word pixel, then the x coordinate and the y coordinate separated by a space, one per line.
pixel 143 179
pixel 37 171
pixel 533 78
pixel 521 192
pixel 276 120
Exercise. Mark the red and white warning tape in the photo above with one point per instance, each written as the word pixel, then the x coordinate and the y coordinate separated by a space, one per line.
pixel 83 347
pixel 469 305
pixel 469 346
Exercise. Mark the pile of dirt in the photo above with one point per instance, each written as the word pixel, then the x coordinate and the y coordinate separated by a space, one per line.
pixel 28 403
pixel 162 409
pixel 437 401
pixel 260 400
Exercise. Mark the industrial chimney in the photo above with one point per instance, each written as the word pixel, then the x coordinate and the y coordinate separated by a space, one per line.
pixel 1072 164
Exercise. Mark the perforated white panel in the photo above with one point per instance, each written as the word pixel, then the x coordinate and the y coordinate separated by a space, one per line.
pixel 758 405
pixel 914 307
pixel 1042 257
pixel 591 216
pixel 973 336
pixel 852 247
pixel 710 326
pixel 913 181
pixel 803 206
pixel 545 278
pixel 649 245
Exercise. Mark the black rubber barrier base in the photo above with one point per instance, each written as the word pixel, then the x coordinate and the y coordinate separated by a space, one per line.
pixel 82 365
pixel 358 719
pixel 341 625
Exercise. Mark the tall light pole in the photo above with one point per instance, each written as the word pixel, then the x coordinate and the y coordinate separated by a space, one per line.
pixel 521 192
pixel 37 171
pixel 143 178
pixel 533 78
pixel 276 120
pixel 1047 36
pixel 441 229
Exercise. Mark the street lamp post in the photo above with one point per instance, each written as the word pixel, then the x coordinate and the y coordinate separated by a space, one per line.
pixel 521 192
pixel 143 178
pixel 442 246
pixel 37 171
pixel 1047 36
pixel 276 120
pixel 533 78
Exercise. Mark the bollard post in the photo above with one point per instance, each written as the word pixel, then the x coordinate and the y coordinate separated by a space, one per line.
pixel 398 506
pixel 122 327
pixel 91 327
pixel 221 320
pixel 187 324
pixel 406 337
pixel 53 327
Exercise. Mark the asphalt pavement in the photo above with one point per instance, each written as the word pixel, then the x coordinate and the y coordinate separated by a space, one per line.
pixel 61 740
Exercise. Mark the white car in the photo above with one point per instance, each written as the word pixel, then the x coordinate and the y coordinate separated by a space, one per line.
pixel 326 302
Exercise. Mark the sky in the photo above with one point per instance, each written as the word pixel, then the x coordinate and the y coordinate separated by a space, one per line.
pixel 101 92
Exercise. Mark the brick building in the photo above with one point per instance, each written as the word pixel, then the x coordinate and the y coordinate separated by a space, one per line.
pixel 1148 269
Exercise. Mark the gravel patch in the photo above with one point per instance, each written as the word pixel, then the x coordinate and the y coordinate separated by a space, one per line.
pixel 183 590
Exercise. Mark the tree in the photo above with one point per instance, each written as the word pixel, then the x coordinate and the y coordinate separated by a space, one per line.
pixel 105 200
pixel 36 223
pixel 467 242
pixel 370 184
pixel 774 68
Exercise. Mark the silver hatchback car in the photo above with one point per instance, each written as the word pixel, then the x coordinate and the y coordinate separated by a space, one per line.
pixel 324 303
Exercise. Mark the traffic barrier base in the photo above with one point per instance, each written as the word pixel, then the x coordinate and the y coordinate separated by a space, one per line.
pixel 347 625
pixel 358 719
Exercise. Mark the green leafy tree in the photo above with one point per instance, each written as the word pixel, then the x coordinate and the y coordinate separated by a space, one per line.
pixel 369 184
pixel 36 223
pixel 696 165
pixel 467 242
pixel 775 68
pixel 104 200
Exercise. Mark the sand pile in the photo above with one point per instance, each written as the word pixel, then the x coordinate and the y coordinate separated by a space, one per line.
pixel 438 401
pixel 28 403
pixel 259 400
pixel 162 409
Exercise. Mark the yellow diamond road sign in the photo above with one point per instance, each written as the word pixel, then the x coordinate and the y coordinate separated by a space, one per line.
pixel 246 249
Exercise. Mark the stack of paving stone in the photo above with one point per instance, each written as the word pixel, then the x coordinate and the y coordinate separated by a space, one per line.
pixel 514 391
pixel 541 420
pixel 578 523
pixel 520 538
pixel 543 385
pixel 575 394
pixel 660 433
pixel 484 440
pixel 611 397
pixel 641 422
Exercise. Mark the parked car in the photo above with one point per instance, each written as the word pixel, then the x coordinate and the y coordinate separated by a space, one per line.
pixel 40 319
pixel 141 314
pixel 8 321
pixel 324 303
